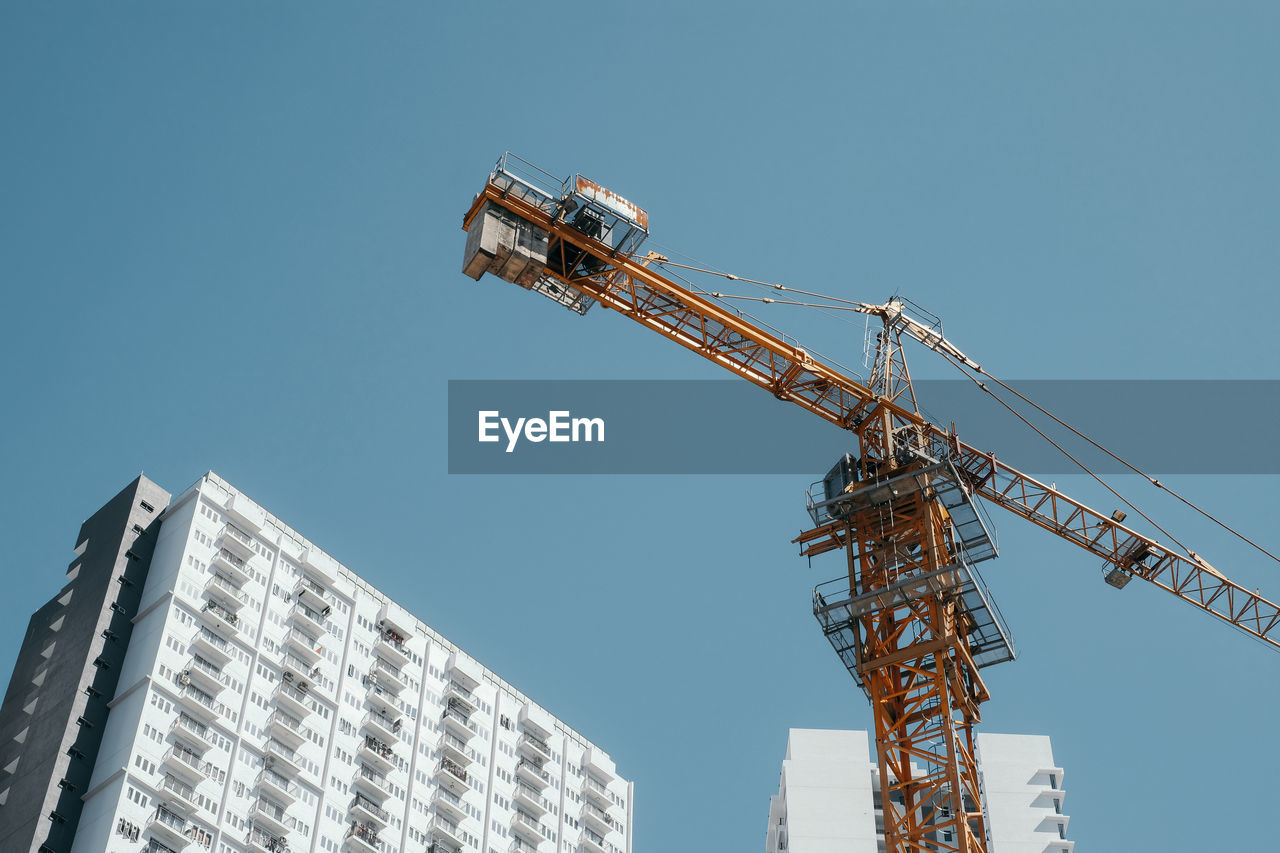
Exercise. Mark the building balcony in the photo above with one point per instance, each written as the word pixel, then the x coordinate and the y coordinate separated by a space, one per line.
pixel 388 676
pixel 287 729
pixel 199 704
pixel 366 810
pixel 205 675
pixel 449 832
pixel 391 647
pixel 380 698
pixel 309 619
pixel 211 647
pixel 292 699
pixel 530 799
pixel 449 772
pixel 262 841
pixel 272 817
pixel 313 594
pixel 597 793
pixel 532 773
pixel 186 764
pixel 304 645
pixel 533 746
pixel 247 514
pixel 376 753
pixel 449 804
pixel 385 727
pixel 301 673
pixel 281 758
pixel 599 765
pixel 279 787
pixel 191 732
pixel 178 796
pixel 456 723
pixel 232 565
pixel 539 722
pixel 219 617
pixel 320 565
pixel 527 827
pixel 599 819
pixel 156 846
pixel 593 842
pixel 519 845
pixel 234 539
pixel 363 837
pixel 458 696
pixel 372 784
pixel 170 828
pixel 455 749
pixel 223 589
pixel 464 671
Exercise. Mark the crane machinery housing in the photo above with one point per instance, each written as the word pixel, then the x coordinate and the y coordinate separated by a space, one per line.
pixel 911 619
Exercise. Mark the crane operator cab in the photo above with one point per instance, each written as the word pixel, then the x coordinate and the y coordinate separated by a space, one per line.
pixel 515 230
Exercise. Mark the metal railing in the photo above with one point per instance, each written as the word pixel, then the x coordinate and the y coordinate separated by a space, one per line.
pixel 373 776
pixel 535 769
pixel 292 692
pixel 224 585
pixel 388 723
pixel 454 741
pixel 275 812
pixel 289 722
pixel 174 785
pixel 239 535
pixel 169 819
pixel 275 747
pixel 214 640
pixel 204 666
pixel 452 767
pixel 264 839
pixel 371 807
pixel 191 724
pixel 365 832
pixel 224 554
pixel 287 785
pixel 198 696
pixel 379 748
pixel 537 743
pixel 303 639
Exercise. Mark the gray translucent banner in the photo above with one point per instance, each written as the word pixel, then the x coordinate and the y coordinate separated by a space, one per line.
pixel 732 427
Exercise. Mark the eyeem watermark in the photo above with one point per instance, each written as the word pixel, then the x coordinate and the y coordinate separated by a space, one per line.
pixel 559 426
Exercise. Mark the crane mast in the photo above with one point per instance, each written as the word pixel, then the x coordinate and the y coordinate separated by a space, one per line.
pixel 912 619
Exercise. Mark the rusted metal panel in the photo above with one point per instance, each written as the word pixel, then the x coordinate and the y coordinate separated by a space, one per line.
pixel 613 201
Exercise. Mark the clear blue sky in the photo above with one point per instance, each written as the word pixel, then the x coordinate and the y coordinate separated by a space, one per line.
pixel 229 239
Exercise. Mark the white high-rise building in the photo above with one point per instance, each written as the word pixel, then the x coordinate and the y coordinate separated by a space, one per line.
pixel 269 699
pixel 829 801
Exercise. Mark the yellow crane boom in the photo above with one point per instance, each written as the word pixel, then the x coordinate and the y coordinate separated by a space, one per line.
pixel 630 287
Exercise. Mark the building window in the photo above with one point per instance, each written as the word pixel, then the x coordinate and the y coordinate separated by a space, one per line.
pixel 148 507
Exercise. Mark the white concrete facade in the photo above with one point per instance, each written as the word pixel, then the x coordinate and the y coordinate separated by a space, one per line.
pixel 828 798
pixel 271 700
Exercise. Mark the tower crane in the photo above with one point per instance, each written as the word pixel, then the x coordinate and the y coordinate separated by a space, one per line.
pixel 912 621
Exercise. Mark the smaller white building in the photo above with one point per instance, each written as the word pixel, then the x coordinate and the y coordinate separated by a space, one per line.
pixel 828 798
